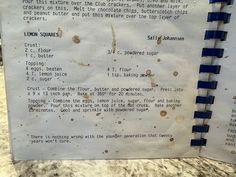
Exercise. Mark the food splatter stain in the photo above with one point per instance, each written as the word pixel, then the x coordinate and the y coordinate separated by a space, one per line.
pixel 163 113
pixel 59 32
pixel 149 73
pixel 82 64
pixel 76 39
pixel 175 73
pixel 154 84
pixel 233 152
pixel 113 44
pixel 86 97
pixel 159 40
pixel 106 151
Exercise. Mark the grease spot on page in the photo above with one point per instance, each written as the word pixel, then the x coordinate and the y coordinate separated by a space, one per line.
pixel 179 118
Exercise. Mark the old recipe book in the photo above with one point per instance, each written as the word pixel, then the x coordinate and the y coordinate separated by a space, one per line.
pixel 120 79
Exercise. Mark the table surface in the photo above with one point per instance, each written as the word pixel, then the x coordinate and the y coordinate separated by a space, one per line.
pixel 184 167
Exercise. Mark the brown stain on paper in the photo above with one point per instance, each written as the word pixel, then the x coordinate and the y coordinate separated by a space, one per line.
pixel 175 73
pixel 80 63
pixel 163 113
pixel 83 65
pixel 76 39
pixel 233 152
pixel 98 114
pixel 154 84
pixel 150 75
pixel 159 40
pixel 113 44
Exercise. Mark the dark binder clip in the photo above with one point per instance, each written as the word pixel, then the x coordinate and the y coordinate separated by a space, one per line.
pixel 215 34
pixel 200 129
pixel 198 142
pixel 212 52
pixel 207 85
pixel 214 69
pixel 218 16
pixel 205 99
pixel 229 2
pixel 202 114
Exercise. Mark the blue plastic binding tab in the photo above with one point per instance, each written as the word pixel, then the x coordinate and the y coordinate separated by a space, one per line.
pixel 215 69
pixel 229 2
pixel 207 85
pixel 218 16
pixel 203 114
pixel 200 128
pixel 216 34
pixel 205 99
pixel 212 52
pixel 198 142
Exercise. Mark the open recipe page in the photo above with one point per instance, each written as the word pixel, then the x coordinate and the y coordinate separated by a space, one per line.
pixel 106 79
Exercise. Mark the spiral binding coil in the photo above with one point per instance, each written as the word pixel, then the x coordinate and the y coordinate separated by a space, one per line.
pixel 222 17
